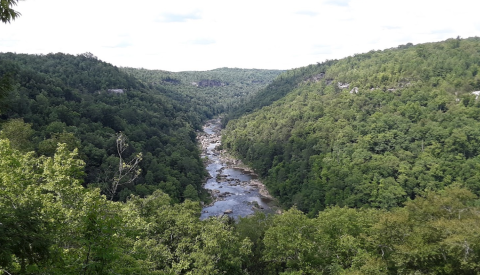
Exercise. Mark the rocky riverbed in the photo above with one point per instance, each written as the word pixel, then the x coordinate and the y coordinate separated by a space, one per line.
pixel 235 188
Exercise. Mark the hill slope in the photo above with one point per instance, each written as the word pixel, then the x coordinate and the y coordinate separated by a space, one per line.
pixel 86 103
pixel 369 130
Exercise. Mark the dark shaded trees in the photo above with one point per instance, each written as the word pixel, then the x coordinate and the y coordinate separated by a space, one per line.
pixel 65 98
pixel 7 13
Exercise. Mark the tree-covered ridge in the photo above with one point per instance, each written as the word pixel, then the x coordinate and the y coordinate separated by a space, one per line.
pixel 280 86
pixel 87 103
pixel 374 129
pixel 210 92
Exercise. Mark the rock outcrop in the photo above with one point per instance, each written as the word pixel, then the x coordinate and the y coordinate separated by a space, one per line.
pixel 211 83
pixel 476 93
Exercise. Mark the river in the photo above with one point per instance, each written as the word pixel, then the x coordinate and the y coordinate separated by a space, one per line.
pixel 236 190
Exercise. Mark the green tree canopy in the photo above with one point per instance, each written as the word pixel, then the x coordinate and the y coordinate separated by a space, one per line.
pixel 7 13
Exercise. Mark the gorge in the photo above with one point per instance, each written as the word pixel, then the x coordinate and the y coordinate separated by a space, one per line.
pixel 235 188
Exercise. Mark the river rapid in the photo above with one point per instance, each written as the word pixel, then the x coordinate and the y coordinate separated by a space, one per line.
pixel 235 188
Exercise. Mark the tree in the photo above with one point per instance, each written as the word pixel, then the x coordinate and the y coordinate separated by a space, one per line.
pixel 253 228
pixel 290 244
pixel 190 193
pixel 48 147
pixel 127 171
pixel 19 133
pixel 435 234
pixel 49 222
pixel 5 88
pixel 36 199
pixel 6 11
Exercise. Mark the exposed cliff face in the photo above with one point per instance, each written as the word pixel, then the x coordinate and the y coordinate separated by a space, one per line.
pixel 211 83
pixel 171 80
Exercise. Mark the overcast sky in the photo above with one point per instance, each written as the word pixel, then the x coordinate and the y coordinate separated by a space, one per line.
pixel 183 35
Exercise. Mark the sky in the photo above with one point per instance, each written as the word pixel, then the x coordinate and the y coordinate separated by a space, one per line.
pixel 195 35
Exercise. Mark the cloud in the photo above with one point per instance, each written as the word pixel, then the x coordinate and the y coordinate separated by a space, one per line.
pixel 341 3
pixel 178 18
pixel 122 44
pixel 442 31
pixel 8 43
pixel 202 41
pixel 207 32
pixel 321 49
pixel 391 28
pixel 307 13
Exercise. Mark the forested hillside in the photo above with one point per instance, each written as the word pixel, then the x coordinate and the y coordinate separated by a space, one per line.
pixel 93 106
pixel 370 130
pixel 70 122
pixel 209 93
pixel 391 136
pixel 279 87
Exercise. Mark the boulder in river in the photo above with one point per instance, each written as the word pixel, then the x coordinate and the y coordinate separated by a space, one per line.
pixel 223 195
pixel 228 211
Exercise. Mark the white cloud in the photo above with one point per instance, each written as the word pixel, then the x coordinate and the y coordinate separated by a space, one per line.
pixel 177 17
pixel 202 41
pixel 341 3
pixel 207 34
pixel 307 13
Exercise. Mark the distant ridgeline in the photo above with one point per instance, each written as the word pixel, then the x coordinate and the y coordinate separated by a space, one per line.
pixel 370 130
pixel 209 92
pixel 87 103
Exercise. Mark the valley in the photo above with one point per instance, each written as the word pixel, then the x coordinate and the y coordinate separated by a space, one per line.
pixel 364 165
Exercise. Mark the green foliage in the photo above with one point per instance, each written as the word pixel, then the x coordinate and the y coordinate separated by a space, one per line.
pixel 171 238
pixel 254 228
pixel 69 99
pixel 346 162
pixel 50 224
pixel 6 12
pixel 207 93
pixel 5 87
pixel 289 242
pixel 410 129
pixel 280 86
pixel 47 147
pixel 435 234
pixel 190 193
pixel 19 133
pixel 39 206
